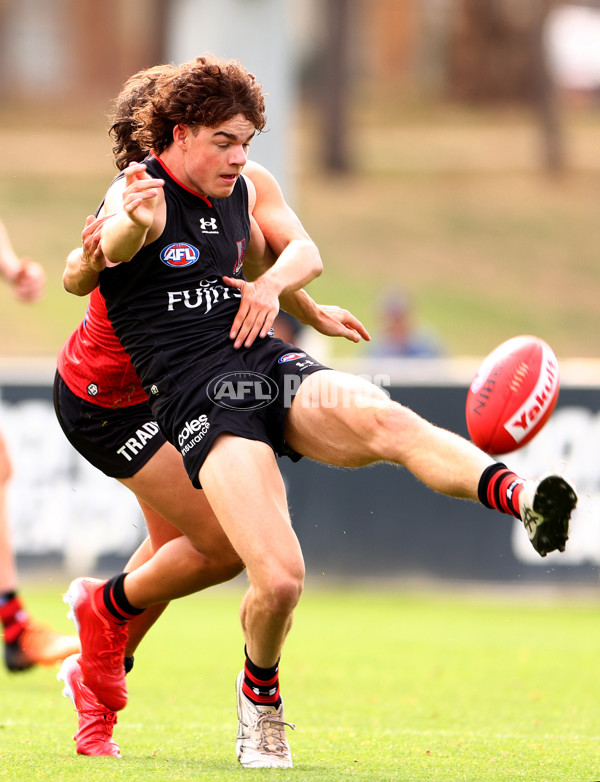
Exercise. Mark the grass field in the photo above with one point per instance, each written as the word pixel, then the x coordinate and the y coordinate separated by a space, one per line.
pixel 382 684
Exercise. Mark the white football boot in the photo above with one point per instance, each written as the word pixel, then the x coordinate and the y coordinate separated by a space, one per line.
pixel 261 741
pixel 545 506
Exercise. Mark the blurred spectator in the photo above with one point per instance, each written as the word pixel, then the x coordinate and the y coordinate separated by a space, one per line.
pixel 26 643
pixel 398 335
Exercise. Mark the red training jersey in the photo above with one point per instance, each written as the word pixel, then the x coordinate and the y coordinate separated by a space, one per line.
pixel 95 365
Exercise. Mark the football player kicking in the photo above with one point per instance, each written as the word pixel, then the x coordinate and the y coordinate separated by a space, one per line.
pixel 182 334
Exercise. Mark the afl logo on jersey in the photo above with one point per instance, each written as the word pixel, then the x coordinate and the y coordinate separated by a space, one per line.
pixel 179 254
pixel 289 357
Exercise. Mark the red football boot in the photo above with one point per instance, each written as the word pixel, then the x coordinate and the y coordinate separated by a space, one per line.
pixel 102 640
pixel 95 722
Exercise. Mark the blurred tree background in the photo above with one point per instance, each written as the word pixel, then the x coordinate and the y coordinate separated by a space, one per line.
pixel 448 148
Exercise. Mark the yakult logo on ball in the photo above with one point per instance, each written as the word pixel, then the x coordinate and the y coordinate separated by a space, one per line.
pixel 179 254
pixel 513 394
pixel 536 404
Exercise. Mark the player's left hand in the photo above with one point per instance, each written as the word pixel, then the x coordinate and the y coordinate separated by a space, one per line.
pixel 258 309
pixel 29 282
pixel 334 321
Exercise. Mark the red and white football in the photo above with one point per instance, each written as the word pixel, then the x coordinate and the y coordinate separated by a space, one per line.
pixel 512 395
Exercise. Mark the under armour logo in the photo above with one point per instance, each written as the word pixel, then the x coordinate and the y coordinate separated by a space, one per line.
pixel 209 226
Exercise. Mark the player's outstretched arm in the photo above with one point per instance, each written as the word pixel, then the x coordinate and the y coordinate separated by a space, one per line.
pixel 132 202
pixel 298 260
pixel 330 320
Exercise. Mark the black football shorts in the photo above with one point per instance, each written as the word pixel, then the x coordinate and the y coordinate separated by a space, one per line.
pixel 247 396
pixel 118 441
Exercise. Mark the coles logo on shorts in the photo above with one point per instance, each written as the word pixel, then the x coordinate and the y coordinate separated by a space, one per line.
pixel 289 357
pixel 179 254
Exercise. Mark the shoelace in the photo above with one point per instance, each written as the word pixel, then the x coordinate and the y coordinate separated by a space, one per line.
pixel 116 639
pixel 110 719
pixel 531 520
pixel 272 736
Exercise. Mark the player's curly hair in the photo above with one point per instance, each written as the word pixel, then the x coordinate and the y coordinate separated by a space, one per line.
pixel 204 92
pixel 136 90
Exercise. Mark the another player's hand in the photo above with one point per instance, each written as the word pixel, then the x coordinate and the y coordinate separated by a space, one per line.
pixel 258 309
pixel 334 321
pixel 29 282
pixel 140 196
pixel 92 256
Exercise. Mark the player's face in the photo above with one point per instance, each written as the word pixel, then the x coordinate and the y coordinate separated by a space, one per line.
pixel 215 157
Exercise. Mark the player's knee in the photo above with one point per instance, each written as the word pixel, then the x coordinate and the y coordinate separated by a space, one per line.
pixel 282 592
pixel 390 425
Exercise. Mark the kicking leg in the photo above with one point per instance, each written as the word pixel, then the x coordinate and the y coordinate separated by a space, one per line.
pixel 358 425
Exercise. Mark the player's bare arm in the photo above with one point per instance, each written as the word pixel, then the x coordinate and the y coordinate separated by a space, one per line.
pixel 85 263
pixel 297 259
pixel 136 203
pixel 329 320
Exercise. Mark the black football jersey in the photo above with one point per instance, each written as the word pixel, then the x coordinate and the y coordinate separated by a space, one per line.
pixel 169 305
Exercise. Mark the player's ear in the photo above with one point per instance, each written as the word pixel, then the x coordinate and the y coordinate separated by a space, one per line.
pixel 180 135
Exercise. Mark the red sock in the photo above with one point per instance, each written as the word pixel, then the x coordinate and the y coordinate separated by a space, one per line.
pixel 13 616
pixel 500 488
pixel 261 685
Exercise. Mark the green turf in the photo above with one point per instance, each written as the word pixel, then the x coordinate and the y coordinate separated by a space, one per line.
pixel 382 684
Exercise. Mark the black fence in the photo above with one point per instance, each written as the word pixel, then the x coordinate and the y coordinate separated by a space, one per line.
pixel 372 522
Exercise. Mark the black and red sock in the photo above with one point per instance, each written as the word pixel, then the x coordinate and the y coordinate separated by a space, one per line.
pixel 113 599
pixel 13 616
pixel 500 488
pixel 261 685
